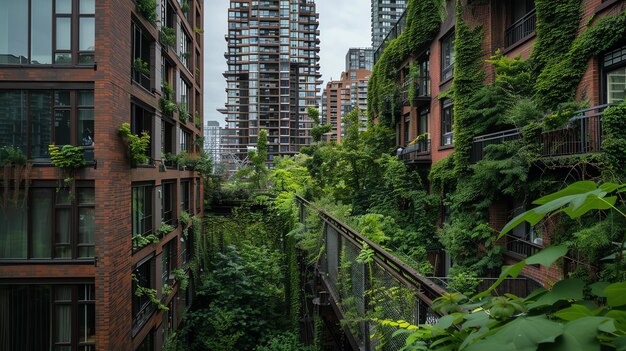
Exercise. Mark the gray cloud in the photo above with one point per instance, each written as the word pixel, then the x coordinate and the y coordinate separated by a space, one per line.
pixel 343 24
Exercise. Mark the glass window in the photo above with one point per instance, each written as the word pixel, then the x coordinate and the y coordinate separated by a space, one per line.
pixel 168 204
pixel 14 33
pixel 142 307
pixel 142 210
pixel 64 6
pixel 13 228
pixel 142 66
pixel 616 85
pixel 141 121
pixel 64 33
pixel 447 120
pixel 36 109
pixel 168 260
pixel 41 29
pixel 185 187
pixel 41 218
pixel 447 57
pixel 86 222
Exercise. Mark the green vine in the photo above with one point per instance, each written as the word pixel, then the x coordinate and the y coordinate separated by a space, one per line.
pixel 137 145
pixel 424 18
pixel 147 8
pixel 67 158
pixel 558 82
pixel 168 105
pixel 142 66
pixel 140 241
pixel 614 142
pixel 151 294
pixel 167 36
pixel 165 229
pixel 182 278
pixel 468 79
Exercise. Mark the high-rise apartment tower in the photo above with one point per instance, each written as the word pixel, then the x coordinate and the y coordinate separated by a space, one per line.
pixel 385 13
pixel 273 74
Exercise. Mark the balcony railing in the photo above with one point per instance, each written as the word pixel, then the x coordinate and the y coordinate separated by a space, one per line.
pixel 421 86
pixel 582 134
pixel 415 153
pixel 395 31
pixel 520 287
pixel 521 29
pixel 521 247
pixel 481 142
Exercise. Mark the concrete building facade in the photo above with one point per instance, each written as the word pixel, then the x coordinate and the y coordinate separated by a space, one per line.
pixel 73 262
pixel 273 74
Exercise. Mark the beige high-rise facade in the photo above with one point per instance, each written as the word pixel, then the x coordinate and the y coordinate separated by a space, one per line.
pixel 273 74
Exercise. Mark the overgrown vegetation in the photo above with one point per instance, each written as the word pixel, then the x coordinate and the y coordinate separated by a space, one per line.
pixel 137 144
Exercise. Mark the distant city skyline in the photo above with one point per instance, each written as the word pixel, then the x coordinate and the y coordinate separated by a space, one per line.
pixel 343 25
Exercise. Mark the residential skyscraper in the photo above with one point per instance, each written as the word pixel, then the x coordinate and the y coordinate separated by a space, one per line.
pixel 273 74
pixel 385 13
pixel 92 257
pixel 360 58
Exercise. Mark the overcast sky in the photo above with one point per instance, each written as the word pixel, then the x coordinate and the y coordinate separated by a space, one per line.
pixel 343 24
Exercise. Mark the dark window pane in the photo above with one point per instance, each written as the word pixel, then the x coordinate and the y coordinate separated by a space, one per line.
pixel 85 98
pixel 25 317
pixel 13 119
pixel 63 324
pixel 13 235
pixel 62 99
pixel 63 241
pixel 64 33
pixel 85 127
pixel 63 58
pixel 85 58
pixel 86 232
pixel 41 222
pixel 41 32
pixel 87 34
pixel 14 32
pixel 87 323
pixel 62 127
pixel 40 109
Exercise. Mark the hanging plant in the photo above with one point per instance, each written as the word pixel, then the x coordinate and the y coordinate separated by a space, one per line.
pixel 167 103
pixel 167 36
pixel 68 159
pixel 182 278
pixel 147 8
pixel 142 66
pixel 137 144
pixel 140 241
pixel 15 169
pixel 151 294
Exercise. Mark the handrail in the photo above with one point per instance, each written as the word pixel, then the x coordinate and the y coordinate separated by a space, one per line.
pixel 401 269
pixel 497 135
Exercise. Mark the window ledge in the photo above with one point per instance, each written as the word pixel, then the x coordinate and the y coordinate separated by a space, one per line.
pixel 446 147
pixel 606 5
pixel 47 261
pixel 446 81
pixel 30 66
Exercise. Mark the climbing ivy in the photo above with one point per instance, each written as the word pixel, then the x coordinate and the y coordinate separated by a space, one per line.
pixel 614 142
pixel 468 79
pixel 558 82
pixel 423 20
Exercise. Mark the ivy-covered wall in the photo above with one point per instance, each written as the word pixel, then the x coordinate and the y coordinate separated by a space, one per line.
pixel 424 18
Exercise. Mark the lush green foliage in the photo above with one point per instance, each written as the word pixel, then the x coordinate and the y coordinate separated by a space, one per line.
pixel 10 155
pixel 137 144
pixel 423 21
pixel 614 142
pixel 569 316
pixel 167 36
pixel 67 157
pixel 147 8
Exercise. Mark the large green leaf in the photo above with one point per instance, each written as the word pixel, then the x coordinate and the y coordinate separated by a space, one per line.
pixel 597 289
pixel 579 335
pixel 547 256
pixel 521 334
pixel 616 294
pixel 569 289
pixel 574 312
pixel 620 343
pixel 575 200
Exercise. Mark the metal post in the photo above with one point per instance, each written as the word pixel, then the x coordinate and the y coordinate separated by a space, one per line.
pixel 366 302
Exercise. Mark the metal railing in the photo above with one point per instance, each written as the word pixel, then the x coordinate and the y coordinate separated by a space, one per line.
pixel 416 152
pixel 421 86
pixel 384 288
pixel 521 29
pixel 481 142
pixel 582 134
pixel 521 287
pixel 521 247
pixel 394 32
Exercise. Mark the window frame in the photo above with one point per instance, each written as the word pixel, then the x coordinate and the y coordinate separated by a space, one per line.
pixel 141 306
pixel 74 117
pixel 447 70
pixel 74 227
pixel 447 105
pixel 146 220
pixel 608 68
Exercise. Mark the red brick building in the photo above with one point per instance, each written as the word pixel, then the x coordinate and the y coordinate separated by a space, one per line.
pixel 71 73
pixel 343 96
pixel 424 130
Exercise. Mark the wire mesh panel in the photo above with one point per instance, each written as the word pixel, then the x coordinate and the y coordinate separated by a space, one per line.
pixel 332 255
pixel 391 300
